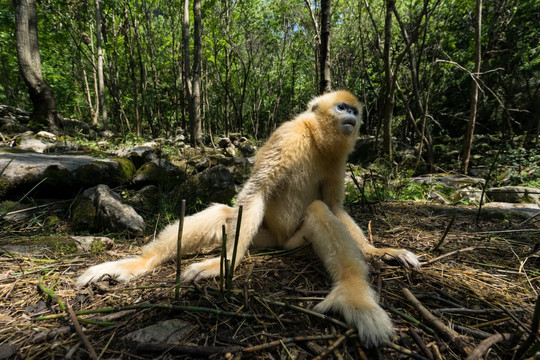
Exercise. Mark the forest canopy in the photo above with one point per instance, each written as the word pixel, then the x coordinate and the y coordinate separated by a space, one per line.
pixel 260 63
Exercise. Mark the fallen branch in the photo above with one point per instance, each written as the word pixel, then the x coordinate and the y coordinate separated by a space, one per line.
pixel 289 340
pixel 483 347
pixel 455 252
pixel 79 330
pixel 455 338
pixel 199 351
pixel 335 345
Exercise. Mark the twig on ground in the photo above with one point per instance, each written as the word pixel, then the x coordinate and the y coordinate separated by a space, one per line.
pixel 335 345
pixel 402 350
pixel 483 347
pixel 448 333
pixel 455 252
pixel 421 344
pixel 436 247
pixel 520 352
pixel 289 340
pixel 80 332
pixel 199 351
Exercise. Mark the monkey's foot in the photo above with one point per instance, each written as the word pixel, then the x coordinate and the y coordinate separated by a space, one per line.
pixel 121 270
pixel 202 270
pixel 361 311
pixel 405 257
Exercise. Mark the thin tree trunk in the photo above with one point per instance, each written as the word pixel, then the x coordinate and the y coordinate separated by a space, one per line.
pixel 467 145
pixel 196 136
pixel 388 81
pixel 95 114
pixel 101 81
pixel 187 62
pixel 325 84
pixel 41 95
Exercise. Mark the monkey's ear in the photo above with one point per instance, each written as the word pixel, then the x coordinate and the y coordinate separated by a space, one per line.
pixel 313 105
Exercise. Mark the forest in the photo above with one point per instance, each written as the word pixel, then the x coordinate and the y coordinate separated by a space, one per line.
pixel 122 65
pixel 114 114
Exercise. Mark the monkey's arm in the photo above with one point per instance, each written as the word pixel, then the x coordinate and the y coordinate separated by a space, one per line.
pixel 333 195
pixel 406 257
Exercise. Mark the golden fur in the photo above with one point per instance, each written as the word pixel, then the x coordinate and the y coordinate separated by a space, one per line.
pixel 295 192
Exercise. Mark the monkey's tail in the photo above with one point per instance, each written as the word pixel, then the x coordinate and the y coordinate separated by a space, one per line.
pixel 200 230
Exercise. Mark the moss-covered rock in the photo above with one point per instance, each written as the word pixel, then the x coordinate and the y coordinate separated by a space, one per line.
pixel 126 170
pixel 84 215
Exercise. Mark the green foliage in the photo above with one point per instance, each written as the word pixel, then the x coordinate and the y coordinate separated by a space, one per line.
pixel 259 64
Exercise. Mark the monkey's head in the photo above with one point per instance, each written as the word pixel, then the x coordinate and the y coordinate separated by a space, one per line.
pixel 338 116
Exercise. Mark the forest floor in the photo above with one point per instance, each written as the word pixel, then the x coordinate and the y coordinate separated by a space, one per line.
pixel 484 279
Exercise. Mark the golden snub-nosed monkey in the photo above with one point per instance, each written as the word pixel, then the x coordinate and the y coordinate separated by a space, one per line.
pixel 295 193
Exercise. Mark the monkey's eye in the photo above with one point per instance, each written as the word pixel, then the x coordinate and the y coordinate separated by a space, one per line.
pixel 341 107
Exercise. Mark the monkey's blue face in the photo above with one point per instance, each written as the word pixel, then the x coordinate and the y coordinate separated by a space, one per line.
pixel 347 116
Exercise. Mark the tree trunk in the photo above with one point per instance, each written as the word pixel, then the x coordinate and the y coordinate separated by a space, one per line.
pixel 41 95
pixel 101 81
pixel 195 120
pixel 389 100
pixel 187 62
pixel 325 84
pixel 467 145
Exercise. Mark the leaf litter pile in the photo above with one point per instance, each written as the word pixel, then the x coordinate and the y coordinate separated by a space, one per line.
pixel 473 298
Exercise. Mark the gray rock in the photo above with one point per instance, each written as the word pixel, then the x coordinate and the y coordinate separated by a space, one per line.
pixel 99 208
pixel 168 331
pixel 158 171
pixel 468 195
pixel 62 174
pixel 215 184
pixel 86 243
pixel 457 181
pixel 507 209
pixel 30 143
pixel 11 126
pixel 515 194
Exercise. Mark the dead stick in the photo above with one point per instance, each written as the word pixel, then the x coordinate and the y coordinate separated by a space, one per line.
pixel 421 344
pixel 405 351
pixel 436 247
pixel 179 249
pixel 470 248
pixel 335 345
pixel 450 334
pixel 200 351
pixel 79 331
pixel 534 332
pixel 483 347
pixel 286 341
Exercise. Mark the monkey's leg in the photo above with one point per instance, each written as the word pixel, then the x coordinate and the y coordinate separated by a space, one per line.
pixel 252 218
pixel 200 230
pixel 406 257
pixel 351 294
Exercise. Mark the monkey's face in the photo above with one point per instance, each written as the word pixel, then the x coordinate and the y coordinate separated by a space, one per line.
pixel 347 116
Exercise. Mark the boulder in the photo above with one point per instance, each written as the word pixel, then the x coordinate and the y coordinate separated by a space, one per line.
pixel 215 184
pixel 58 175
pixel 99 208
pixel 514 194
pixel 456 181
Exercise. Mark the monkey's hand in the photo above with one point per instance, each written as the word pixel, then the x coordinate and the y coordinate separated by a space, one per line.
pixel 360 310
pixel 202 270
pixel 405 257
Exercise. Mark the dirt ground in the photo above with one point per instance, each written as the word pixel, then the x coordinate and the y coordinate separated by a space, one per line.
pixel 483 280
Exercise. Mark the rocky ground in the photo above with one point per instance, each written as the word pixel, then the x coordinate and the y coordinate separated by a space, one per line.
pixel 480 280
pixel 474 296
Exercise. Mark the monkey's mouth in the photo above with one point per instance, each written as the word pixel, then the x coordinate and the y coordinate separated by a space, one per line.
pixel 348 125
